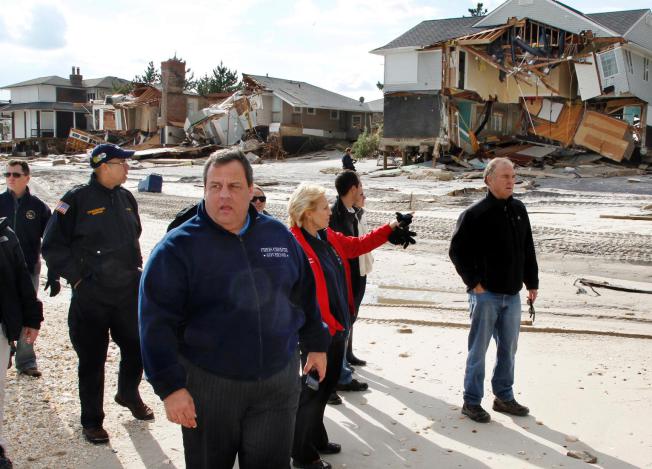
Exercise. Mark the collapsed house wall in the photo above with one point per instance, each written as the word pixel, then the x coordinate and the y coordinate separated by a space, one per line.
pixel 412 115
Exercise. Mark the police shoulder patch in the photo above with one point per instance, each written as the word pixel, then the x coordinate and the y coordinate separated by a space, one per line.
pixel 62 207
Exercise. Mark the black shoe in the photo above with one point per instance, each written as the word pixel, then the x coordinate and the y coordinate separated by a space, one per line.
pixel 354 385
pixel 510 407
pixel 330 448
pixel 5 462
pixel 96 435
pixel 334 399
pixel 476 413
pixel 138 409
pixel 355 361
pixel 319 464
pixel 33 372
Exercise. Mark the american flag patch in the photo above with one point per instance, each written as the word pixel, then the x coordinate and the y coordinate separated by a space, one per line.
pixel 62 207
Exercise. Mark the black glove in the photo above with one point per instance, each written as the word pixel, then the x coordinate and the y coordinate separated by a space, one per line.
pixel 54 285
pixel 403 220
pixel 402 236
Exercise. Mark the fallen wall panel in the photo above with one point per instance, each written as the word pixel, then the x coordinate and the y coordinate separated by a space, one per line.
pixel 605 135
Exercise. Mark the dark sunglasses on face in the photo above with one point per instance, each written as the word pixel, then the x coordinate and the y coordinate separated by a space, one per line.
pixel 15 175
pixel 259 198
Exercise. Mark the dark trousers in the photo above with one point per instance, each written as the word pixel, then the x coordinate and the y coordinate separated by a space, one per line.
pixel 94 312
pixel 310 432
pixel 358 295
pixel 251 419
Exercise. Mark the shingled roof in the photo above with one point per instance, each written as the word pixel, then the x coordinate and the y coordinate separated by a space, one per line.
pixel 618 21
pixel 432 31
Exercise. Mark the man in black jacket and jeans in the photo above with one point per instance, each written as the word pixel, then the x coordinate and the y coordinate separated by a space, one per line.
pixel 344 219
pixel 21 313
pixel 92 242
pixel 28 216
pixel 493 252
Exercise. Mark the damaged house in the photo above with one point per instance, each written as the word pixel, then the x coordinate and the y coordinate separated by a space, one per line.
pixel 536 69
pixel 301 113
pixel 50 106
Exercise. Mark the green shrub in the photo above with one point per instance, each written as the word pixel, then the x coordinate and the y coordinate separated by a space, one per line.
pixel 366 145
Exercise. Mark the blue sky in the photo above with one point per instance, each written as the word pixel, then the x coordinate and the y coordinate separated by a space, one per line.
pixel 325 43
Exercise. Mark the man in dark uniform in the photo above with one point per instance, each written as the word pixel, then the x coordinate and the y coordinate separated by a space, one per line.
pixel 92 241
pixel 27 215
pixel 347 160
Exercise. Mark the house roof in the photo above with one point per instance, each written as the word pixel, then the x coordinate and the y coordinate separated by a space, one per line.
pixel 376 105
pixel 430 32
pixel 43 106
pixel 302 94
pixel 104 82
pixel 618 21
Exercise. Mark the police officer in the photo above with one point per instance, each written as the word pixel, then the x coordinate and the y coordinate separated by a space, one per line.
pixel 27 215
pixel 92 241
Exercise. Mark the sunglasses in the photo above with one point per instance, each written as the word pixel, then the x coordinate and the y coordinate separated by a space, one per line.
pixel 14 175
pixel 259 198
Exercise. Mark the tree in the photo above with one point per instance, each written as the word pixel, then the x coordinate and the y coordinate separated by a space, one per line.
pixel 221 80
pixel 478 10
pixel 380 86
pixel 152 75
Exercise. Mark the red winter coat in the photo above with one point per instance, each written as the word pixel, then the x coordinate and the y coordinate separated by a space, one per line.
pixel 347 247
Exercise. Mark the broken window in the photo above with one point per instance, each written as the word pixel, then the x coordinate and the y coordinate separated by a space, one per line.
pixel 628 59
pixel 356 120
pixel 311 111
pixel 90 96
pixel 608 64
pixel 497 121
pixel 335 115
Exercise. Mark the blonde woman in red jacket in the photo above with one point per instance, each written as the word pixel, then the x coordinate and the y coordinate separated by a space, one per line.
pixel 327 252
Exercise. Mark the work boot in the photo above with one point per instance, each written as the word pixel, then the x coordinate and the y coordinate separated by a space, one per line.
pixel 353 360
pixel 334 399
pixel 476 413
pixel 96 435
pixel 354 385
pixel 33 372
pixel 138 409
pixel 5 462
pixel 510 407
pixel 318 464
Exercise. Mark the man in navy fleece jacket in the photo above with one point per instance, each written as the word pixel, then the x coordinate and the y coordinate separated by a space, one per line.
pixel 224 300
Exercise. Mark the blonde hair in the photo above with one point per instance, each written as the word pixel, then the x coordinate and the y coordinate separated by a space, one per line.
pixel 304 198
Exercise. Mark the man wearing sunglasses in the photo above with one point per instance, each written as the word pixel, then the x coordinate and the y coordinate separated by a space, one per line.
pixel 27 215
pixel 92 242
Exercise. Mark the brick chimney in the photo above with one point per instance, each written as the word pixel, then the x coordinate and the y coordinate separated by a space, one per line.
pixel 173 101
pixel 76 78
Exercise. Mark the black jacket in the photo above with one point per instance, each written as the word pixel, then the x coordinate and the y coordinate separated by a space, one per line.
pixel 93 233
pixel 347 162
pixel 347 223
pixel 28 217
pixel 492 245
pixel 18 304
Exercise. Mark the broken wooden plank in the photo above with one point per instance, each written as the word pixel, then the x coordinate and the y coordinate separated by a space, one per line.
pixel 605 135
pixel 628 217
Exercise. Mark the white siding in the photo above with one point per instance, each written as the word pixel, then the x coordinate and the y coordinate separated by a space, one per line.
pixel 638 86
pixel 47 94
pixel 619 80
pixel 401 66
pixel 19 124
pixel 24 94
pixel 641 33
pixel 544 11
pixel 47 120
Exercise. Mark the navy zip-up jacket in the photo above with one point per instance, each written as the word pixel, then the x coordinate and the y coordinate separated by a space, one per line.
pixel 233 305
pixel 28 217
pixel 492 245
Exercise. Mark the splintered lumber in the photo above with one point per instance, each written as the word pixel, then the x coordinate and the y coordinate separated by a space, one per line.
pixel 605 135
pixel 564 128
pixel 628 217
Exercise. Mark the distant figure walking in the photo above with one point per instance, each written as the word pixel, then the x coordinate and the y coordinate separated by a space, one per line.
pixel 493 252
pixel 347 160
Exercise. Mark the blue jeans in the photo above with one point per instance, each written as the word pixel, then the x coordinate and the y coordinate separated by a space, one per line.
pixel 497 315
pixel 346 375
